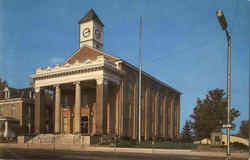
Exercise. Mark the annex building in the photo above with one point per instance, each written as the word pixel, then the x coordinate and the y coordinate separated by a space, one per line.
pixel 95 93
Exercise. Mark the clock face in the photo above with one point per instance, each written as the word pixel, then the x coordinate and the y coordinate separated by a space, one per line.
pixel 86 32
pixel 98 34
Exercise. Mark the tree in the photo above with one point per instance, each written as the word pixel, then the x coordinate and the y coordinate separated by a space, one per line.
pixel 210 113
pixel 187 134
pixel 244 129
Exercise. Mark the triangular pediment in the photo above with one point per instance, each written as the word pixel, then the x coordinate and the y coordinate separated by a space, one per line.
pixel 86 54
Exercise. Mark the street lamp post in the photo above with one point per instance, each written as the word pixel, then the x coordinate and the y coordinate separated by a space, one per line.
pixel 223 24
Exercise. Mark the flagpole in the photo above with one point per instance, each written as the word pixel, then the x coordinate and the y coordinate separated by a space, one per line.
pixel 140 70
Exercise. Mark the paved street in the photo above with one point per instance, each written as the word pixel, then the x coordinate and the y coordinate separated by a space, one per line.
pixel 30 154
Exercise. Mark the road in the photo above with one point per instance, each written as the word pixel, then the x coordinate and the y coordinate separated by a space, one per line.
pixel 31 154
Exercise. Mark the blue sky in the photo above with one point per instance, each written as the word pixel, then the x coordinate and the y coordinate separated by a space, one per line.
pixel 183 44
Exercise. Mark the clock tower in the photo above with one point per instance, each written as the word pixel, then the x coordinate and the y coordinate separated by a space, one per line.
pixel 91 30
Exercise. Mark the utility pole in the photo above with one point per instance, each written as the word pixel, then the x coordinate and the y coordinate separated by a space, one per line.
pixel 249 108
pixel 140 70
pixel 228 93
pixel 223 23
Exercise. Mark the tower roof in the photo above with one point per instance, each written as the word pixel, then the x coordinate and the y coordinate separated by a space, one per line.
pixel 91 15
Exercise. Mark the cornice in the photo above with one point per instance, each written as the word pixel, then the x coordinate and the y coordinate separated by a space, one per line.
pixel 78 67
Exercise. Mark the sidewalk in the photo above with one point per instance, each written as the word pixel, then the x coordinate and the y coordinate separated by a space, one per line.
pixel 122 150
pixel 165 151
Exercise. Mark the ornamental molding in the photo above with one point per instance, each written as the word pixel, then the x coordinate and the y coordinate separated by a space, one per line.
pixel 69 79
pixel 11 101
pixel 78 67
pixel 37 89
pixel 77 82
pixel 100 81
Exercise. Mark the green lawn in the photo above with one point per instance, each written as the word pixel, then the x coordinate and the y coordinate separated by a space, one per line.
pixel 164 144
pixel 180 145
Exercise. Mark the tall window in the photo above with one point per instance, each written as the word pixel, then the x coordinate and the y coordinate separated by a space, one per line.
pixel 160 115
pixel 130 97
pixel 1 110
pixel 152 92
pixel 7 94
pixel 143 110
pixel 64 101
pixel 84 99
pixel 129 94
pixel 174 118
pixel 12 110
pixel 65 124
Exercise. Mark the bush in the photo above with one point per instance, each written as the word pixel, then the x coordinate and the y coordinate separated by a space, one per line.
pixel 240 146
pixel 160 139
pixel 124 138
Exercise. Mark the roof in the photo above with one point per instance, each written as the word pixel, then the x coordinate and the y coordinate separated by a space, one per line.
pixel 91 15
pixel 8 118
pixel 151 77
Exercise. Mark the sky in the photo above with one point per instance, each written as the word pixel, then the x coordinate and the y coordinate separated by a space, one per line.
pixel 183 44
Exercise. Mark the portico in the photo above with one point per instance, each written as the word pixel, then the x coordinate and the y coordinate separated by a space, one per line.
pixel 80 92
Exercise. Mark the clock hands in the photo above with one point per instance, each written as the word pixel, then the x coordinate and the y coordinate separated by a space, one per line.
pixel 86 32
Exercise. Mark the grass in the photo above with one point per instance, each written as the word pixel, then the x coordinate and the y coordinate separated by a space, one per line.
pixel 180 145
pixel 163 145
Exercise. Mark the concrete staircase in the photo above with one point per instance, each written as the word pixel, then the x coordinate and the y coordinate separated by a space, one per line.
pixel 61 139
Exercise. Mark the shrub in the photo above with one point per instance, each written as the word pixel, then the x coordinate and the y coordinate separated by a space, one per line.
pixel 124 138
pixel 240 146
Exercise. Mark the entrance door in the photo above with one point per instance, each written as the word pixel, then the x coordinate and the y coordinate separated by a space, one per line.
pixel 84 125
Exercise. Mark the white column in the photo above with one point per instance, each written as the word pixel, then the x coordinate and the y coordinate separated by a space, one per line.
pixel 77 115
pixel 58 110
pixel 6 129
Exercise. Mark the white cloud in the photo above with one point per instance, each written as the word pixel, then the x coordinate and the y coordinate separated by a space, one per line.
pixel 56 60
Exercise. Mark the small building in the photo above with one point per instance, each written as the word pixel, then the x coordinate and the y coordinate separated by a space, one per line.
pixel 218 138
pixel 17 107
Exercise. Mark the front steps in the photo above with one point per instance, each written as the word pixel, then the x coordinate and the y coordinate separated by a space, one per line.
pixel 59 139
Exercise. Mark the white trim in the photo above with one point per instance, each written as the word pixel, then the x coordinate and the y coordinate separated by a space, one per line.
pixel 69 78
pixel 86 66
pixel 11 102
pixel 37 89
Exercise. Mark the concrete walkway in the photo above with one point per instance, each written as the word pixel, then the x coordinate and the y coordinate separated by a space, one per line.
pixel 166 151
pixel 122 150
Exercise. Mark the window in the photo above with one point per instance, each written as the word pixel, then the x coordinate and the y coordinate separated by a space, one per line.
pixel 1 110
pixel 7 95
pixel 84 99
pixel 65 124
pixel 217 138
pixel 64 101
pixel 12 110
pixel 84 125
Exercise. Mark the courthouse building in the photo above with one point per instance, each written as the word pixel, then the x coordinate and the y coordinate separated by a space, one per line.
pixel 95 93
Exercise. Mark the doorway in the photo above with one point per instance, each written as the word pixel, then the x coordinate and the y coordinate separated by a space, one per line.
pixel 84 125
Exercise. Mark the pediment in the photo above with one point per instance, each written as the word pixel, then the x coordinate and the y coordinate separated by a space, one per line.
pixel 88 54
